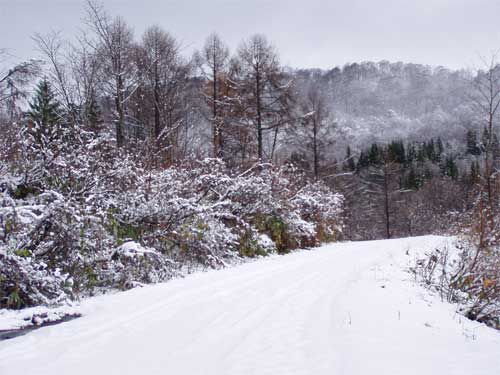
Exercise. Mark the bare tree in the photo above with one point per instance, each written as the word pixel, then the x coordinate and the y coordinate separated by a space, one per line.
pixel 53 48
pixel 263 92
pixel 380 184
pixel 487 101
pixel 14 83
pixel 215 57
pixel 158 59
pixel 164 86
pixel 115 46
pixel 85 68
pixel 312 132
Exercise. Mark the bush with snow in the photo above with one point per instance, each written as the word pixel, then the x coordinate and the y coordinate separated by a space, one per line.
pixel 84 217
pixel 468 275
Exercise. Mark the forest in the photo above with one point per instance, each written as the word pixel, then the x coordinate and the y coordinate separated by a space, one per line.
pixel 127 162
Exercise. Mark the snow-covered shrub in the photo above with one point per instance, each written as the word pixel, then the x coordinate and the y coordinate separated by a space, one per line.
pixel 84 217
pixel 132 263
pixel 468 275
pixel 318 205
pixel 25 282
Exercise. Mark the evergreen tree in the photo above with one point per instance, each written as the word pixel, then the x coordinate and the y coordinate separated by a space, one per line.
pixel 396 152
pixel 421 153
pixel 363 161
pixel 439 149
pixel 374 155
pixel 411 154
pixel 349 164
pixel 472 144
pixel 475 172
pixel 495 147
pixel 44 115
pixel 44 109
pixel 430 151
pixel 449 168
pixel 485 139
pixel 413 181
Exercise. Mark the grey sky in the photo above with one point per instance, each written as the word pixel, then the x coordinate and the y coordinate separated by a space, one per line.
pixel 308 33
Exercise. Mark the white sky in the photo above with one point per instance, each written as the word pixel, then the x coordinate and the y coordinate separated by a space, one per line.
pixel 308 33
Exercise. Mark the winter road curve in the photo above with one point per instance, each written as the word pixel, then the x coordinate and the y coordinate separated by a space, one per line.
pixel 347 308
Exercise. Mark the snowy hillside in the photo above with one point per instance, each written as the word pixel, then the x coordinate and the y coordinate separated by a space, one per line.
pixel 346 308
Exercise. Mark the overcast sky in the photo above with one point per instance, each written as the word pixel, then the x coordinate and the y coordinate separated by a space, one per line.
pixel 308 33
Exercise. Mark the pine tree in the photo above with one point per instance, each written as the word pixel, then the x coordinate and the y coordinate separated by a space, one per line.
pixel 44 115
pixel 374 155
pixel 349 164
pixel 411 153
pixel 396 151
pixel 495 147
pixel 421 153
pixel 363 161
pixel 44 109
pixel 431 150
pixel 472 144
pixel 485 139
pixel 413 181
pixel 449 168
pixel 439 149
pixel 475 173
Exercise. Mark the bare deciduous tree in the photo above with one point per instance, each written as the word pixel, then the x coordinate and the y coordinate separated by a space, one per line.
pixel 214 61
pixel 263 92
pixel 52 47
pixel 487 101
pixel 164 87
pixel 14 83
pixel 115 46
pixel 85 68
pixel 312 132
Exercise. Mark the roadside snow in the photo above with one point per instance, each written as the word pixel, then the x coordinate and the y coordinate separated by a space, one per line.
pixel 35 316
pixel 347 308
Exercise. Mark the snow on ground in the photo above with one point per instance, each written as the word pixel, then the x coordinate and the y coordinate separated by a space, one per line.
pixel 348 308
pixel 35 316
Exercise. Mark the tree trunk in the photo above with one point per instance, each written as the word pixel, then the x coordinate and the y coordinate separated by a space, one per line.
pixel 315 149
pixel 386 204
pixel 157 126
pixel 259 117
pixel 121 114
pixel 215 125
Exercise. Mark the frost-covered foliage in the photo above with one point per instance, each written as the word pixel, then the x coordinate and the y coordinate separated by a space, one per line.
pixel 78 217
pixel 318 206
pixel 466 274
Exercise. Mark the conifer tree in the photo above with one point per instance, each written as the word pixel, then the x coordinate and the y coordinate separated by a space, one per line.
pixel 472 144
pixel 449 168
pixel 374 155
pixel 349 164
pixel 396 152
pixel 44 109
pixel 413 180
pixel 495 147
pixel 363 161
pixel 411 154
pixel 44 115
pixel 475 173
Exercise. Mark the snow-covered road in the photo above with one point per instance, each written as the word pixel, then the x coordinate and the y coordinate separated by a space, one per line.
pixel 343 309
